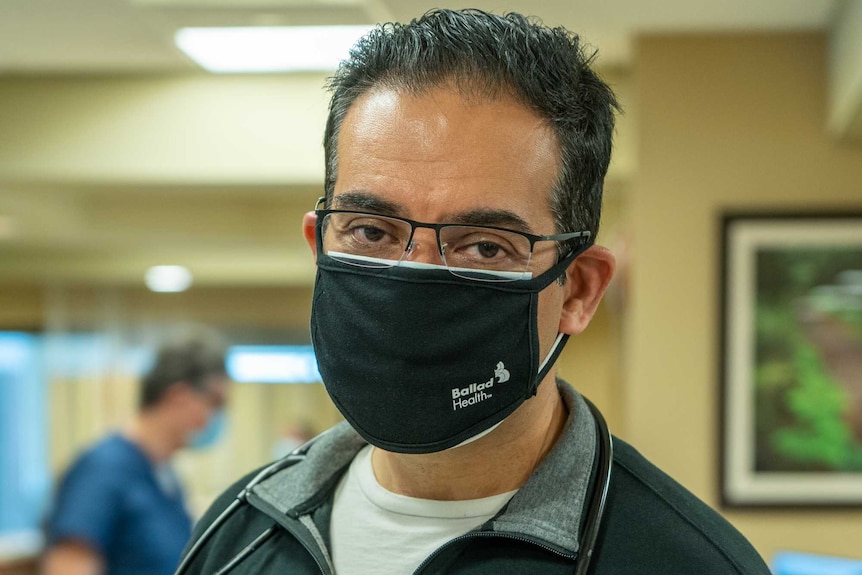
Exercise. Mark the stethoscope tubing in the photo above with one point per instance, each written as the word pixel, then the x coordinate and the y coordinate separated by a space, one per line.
pixel 295 456
pixel 595 511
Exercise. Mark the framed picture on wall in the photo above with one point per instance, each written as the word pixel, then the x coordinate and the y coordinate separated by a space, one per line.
pixel 791 359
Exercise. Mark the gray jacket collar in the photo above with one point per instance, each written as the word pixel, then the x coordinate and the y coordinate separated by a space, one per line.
pixel 545 508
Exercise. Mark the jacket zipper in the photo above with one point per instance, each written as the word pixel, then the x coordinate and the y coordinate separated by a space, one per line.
pixel 301 533
pixel 482 534
pixel 311 550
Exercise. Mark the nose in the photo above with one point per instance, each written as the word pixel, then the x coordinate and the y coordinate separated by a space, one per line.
pixel 423 247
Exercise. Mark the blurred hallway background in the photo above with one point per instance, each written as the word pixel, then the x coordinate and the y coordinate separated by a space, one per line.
pixel 118 153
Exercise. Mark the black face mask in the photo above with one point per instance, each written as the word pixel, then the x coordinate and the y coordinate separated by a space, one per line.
pixel 419 360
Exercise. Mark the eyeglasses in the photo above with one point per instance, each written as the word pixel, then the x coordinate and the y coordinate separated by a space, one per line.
pixel 481 253
pixel 214 393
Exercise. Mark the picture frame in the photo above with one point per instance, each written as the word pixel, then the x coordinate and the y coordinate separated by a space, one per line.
pixel 790 361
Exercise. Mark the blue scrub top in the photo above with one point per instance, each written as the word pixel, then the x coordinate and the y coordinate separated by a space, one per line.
pixel 111 499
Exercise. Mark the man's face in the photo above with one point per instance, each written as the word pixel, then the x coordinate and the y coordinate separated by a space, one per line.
pixel 436 157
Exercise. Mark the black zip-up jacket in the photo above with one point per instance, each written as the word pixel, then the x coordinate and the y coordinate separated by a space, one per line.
pixel 651 524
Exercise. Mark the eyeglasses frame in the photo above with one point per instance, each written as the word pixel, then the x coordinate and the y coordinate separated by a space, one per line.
pixel 533 238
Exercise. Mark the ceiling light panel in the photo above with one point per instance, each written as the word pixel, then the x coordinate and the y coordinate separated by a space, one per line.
pixel 267 49
pixel 168 279
pixel 246 4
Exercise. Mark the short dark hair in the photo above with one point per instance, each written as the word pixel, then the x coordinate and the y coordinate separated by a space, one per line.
pixel 191 357
pixel 488 55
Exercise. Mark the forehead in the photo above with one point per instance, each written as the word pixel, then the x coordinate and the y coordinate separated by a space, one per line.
pixel 438 153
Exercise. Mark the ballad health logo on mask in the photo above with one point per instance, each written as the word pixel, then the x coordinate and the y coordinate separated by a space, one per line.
pixel 476 392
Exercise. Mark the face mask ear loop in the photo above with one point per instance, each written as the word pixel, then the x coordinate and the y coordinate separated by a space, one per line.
pixel 549 361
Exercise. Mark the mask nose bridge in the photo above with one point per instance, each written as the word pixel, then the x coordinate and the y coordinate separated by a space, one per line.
pixel 418 250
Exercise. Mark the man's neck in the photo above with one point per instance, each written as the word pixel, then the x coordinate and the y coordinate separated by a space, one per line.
pixel 499 462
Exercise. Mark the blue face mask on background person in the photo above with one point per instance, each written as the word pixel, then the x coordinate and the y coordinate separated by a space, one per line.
pixel 210 433
pixel 419 360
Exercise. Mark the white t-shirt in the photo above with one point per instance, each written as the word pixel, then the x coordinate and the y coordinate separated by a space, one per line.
pixel 377 532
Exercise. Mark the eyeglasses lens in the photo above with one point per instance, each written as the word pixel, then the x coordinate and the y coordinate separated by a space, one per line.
pixel 477 253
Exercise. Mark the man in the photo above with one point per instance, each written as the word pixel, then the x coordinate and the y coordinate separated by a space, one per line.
pixel 465 155
pixel 119 509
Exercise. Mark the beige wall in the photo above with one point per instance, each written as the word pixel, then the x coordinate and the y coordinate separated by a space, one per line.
pixel 725 122
pixel 195 129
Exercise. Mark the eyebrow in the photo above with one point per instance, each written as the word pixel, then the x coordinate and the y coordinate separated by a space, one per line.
pixel 491 217
pixel 368 202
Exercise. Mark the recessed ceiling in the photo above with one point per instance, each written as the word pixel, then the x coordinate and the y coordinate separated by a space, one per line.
pixel 117 153
pixel 109 36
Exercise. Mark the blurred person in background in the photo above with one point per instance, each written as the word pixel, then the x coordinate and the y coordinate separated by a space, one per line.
pixel 119 508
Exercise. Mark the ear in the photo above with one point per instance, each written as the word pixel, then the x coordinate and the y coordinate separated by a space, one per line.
pixel 184 400
pixel 176 395
pixel 309 220
pixel 586 281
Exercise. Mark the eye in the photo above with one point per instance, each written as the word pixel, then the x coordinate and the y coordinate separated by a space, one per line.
pixel 475 247
pixel 368 233
pixel 486 249
pixel 372 236
pixel 484 246
pixel 370 230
